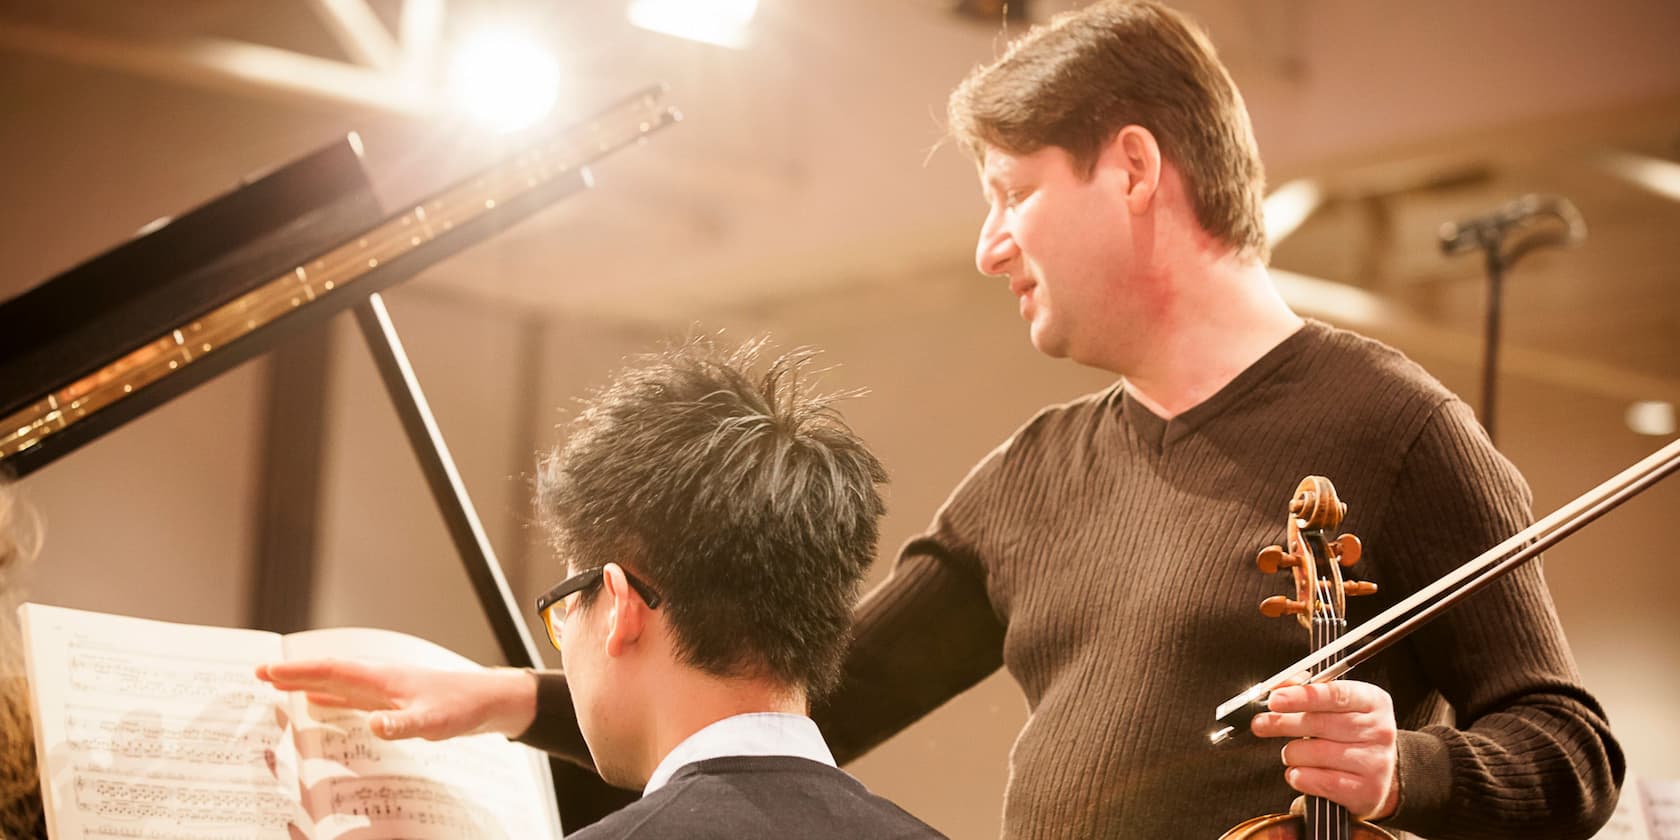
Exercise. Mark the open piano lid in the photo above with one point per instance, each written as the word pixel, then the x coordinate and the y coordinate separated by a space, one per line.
pixel 77 323
pixel 107 341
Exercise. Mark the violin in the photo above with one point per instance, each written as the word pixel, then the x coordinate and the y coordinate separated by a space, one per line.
pixel 1320 606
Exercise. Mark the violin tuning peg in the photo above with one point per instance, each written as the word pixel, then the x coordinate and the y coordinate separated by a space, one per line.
pixel 1272 558
pixel 1347 549
pixel 1278 606
pixel 1355 588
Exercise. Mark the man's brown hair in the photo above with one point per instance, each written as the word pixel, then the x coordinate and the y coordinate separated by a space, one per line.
pixel 1075 82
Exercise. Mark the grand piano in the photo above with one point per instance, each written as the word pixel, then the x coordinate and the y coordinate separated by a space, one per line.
pixel 86 352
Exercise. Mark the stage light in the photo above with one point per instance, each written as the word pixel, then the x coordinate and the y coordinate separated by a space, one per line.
pixel 503 79
pixel 1652 417
pixel 1289 206
pixel 1648 173
pixel 720 22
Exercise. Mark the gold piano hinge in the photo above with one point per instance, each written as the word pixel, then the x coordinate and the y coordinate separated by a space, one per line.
pixel 620 126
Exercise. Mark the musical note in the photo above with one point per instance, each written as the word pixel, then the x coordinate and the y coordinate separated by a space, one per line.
pixel 408 804
pixel 1662 807
pixel 154 731
pixel 161 731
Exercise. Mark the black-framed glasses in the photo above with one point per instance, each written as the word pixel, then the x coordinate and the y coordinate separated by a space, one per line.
pixel 551 604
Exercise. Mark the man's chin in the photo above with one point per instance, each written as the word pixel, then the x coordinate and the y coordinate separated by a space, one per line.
pixel 620 777
pixel 613 771
pixel 1046 341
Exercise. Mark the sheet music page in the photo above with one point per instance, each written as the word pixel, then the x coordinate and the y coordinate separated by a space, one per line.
pixel 1662 806
pixel 147 729
pixel 359 786
pixel 1629 821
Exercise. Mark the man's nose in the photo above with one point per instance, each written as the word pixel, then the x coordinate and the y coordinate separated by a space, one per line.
pixel 996 248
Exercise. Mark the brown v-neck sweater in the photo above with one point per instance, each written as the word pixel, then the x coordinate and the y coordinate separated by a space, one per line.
pixel 1106 558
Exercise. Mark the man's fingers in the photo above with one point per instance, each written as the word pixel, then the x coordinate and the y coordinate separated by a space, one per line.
pixel 1345 741
pixel 431 724
pixel 315 672
pixel 1333 696
pixel 331 695
pixel 1364 761
pixel 388 725
pixel 1358 794
pixel 354 684
pixel 1364 728
pixel 331 701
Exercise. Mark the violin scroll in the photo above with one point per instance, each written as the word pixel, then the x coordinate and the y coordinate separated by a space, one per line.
pixel 1315 504
pixel 1314 561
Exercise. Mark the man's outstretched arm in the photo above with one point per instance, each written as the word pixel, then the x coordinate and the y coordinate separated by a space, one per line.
pixel 409 701
pixel 924 635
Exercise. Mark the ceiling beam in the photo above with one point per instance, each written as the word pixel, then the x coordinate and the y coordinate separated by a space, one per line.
pixel 1652 174
pixel 359 31
pixel 420 31
pixel 1289 206
pixel 228 65
pixel 1358 309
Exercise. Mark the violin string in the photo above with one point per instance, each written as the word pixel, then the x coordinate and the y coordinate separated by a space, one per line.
pixel 1315 805
pixel 1332 822
pixel 1333 631
pixel 1344 822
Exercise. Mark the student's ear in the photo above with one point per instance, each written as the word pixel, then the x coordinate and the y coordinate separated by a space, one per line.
pixel 627 613
pixel 1135 152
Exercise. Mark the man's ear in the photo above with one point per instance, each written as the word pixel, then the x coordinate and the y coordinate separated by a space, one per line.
pixel 626 612
pixel 1134 152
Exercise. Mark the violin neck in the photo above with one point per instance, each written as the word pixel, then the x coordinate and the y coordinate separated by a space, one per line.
pixel 1324 819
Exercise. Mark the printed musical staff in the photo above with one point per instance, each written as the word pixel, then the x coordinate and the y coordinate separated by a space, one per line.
pixel 159 735
pixel 155 731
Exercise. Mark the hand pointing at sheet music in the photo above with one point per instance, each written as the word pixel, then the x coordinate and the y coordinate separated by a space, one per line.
pixel 414 702
pixel 1345 743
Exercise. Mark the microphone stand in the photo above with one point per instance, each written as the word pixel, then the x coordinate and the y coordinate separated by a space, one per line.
pixel 1487 233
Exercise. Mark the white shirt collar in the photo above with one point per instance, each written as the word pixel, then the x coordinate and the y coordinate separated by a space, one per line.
pixel 758 733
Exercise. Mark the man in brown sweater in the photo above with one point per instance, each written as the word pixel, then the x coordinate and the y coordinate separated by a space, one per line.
pixel 1104 553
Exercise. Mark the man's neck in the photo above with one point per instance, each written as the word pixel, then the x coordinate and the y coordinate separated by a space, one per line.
pixel 1219 320
pixel 696 701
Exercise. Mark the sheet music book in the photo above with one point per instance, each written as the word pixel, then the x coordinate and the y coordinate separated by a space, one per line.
pixel 1649 810
pixel 147 729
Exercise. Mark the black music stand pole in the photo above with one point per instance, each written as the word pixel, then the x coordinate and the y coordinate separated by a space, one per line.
pixel 580 795
pixel 445 482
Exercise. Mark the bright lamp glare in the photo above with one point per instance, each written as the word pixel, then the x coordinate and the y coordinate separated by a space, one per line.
pixel 504 80
pixel 1290 205
pixel 1655 174
pixel 721 22
pixel 1653 417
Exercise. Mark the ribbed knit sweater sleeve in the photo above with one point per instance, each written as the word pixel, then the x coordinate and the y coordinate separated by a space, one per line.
pixel 924 635
pixel 1531 754
pixel 555 730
